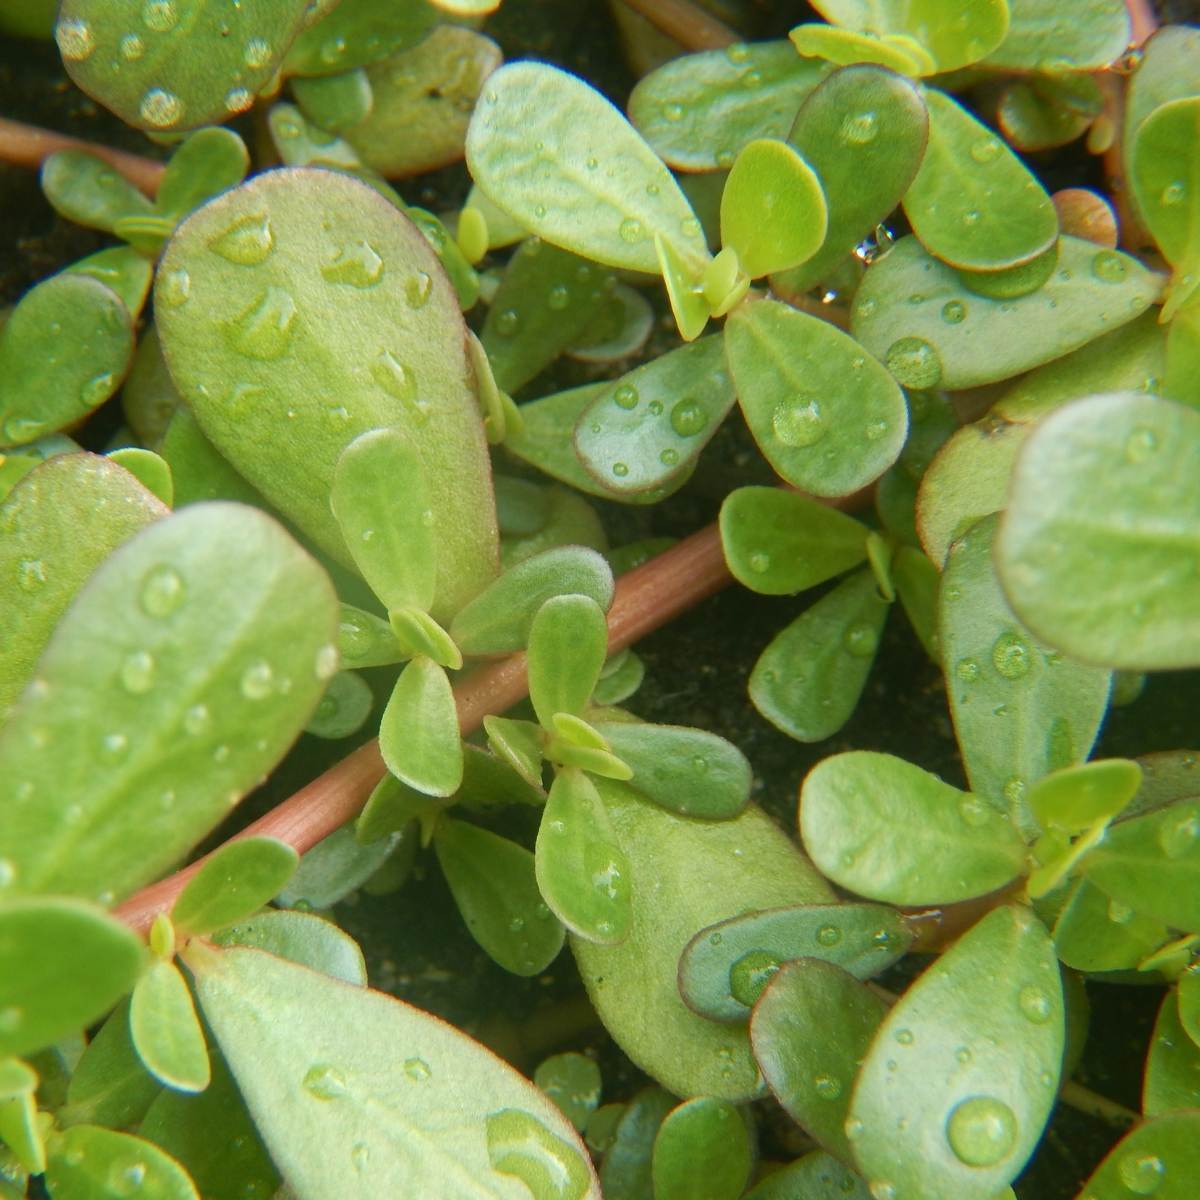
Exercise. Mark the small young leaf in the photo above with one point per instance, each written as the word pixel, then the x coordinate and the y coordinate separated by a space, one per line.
pixel 344 707
pixel 973 203
pixel 850 48
pixel 684 282
pixel 1172 1078
pixel 625 1171
pixel 689 771
pixel 206 163
pixel 618 331
pixel 701 1152
pixel 418 736
pixel 365 640
pixel 405 1101
pixel 334 102
pixel 86 190
pixel 887 830
pixel 970 1056
pixel 492 881
pixel 697 111
pixel 918 585
pixel 568 642
pixel 1030 120
pixel 1108 575
pixel 778 542
pixel 812 1077
pixel 645 429
pixel 1094 933
pixel 166 1031
pixel 1160 1157
pixel 234 882
pixel 583 875
pixel 572 1081
pixel 151 471
pixel 808 680
pixel 63 963
pixel 110 1085
pixel 302 938
pixel 499 620
pixel 1075 798
pixel 519 744
pixel 1096 34
pixel 560 159
pixel 85 1159
pixel 772 209
pixel 724 968
pixel 622 676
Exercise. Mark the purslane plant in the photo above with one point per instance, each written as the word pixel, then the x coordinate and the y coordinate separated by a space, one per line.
pixel 310 521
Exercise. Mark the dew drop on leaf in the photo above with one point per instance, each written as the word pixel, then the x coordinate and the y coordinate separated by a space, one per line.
pixel 238 100
pixel 967 669
pixel 174 288
pixel 760 562
pixel 264 330
pixel 914 363
pixel 827 1087
pixel 247 242
pixel 749 976
pixel 973 811
pixel 258 680
pixel 159 15
pixel 324 1082
pixel 631 230
pixel 1034 1004
pixel 75 41
pixel 669 457
pixel 113 747
pixel 356 264
pixel 394 377
pixel 508 322
pixel 160 108
pixel 626 396
pixel 688 418
pixel 559 297
pixel 520 1145
pixel 31 574
pixel 904 1037
pixel 258 53
pixel 132 47
pixel 620 469
pixel 1142 1174
pixel 954 312
pixel 860 639
pixel 162 591
pixel 417 1069
pixel 985 150
pixel 1140 445
pixel 881 1189
pixel 137 672
pixel 1178 835
pixel 981 1131
pixel 1011 656
pixel 1109 267
pixel 197 719
pixel 799 421
pixel 673 111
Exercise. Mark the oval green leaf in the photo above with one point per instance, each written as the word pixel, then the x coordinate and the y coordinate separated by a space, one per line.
pixel 1172 1078
pixel 302 938
pixel 1094 933
pixel 816 1176
pixel 572 1081
pixel 418 735
pixel 86 190
pixel 234 882
pixel 1076 797
pixel 1161 1157
pixel 568 642
pixel 85 1159
pixel 1043 34
pixel 166 1031
pixel 702 1151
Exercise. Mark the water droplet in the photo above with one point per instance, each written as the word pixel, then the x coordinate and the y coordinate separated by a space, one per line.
pixel 1142 1174
pixel 985 150
pixel 1140 445
pixel 904 1037
pixel 1011 655
pixel 973 811
pixel 673 112
pixel 954 312
pixel 31 574
pixel 626 396
pixel 981 1131
pixel 264 330
pixel 749 976
pixel 395 378
pixel 160 108
pixel 688 418
pixel 113 747
pixel 559 297
pixel 258 680
pixel 324 1082
pixel 360 1156
pixel 914 363
pixel 759 562
pixel 853 1129
pixel 1109 267
pixel 75 41
pixel 875 430
pixel 1173 193
pixel 1118 913
pixel 258 53
pixel 860 639
pixel 829 936
pixel 827 1087
pixel 539 211
pixel 508 322
pixel 1178 834
pixel 221 754
pixel 518 1144
pixel 669 457
pixel 739 52
pixel 963 1054
pixel 689 227
pixel 357 264
pixel 417 1069
pixel 159 15
pixel 882 1189
pixel 137 672
pixel 238 100
pixel 1036 1006
pixel 174 288
pixel 326 663
pixel 967 669
pixel 620 469
pixel 799 422
pixel 247 241
pixel 631 230
pixel 162 591
pixel 132 47
pixel 859 129
pixel 197 719
pixel 417 288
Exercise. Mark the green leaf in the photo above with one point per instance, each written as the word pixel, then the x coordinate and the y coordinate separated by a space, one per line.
pixel 973 203
pixel 63 963
pixel 572 1081
pixel 85 1161
pixel 519 744
pixel 918 584
pixel 863 131
pixel 772 209
pixel 886 829
pixel 568 642
pixel 491 782
pixel 697 111
pixel 1094 933
pixel 1183 357
pixel 365 640
pixel 645 430
pixel 622 676
pixel 382 502
pixel 689 771
pixel 302 938
pixel 690 306
pixel 1075 798
pixel 110 1085
pixel 389 1096
pixel 87 190
pixel 808 680
pixel 334 102
pixel 499 620
pixel 123 270
pixel 1188 993
pixel 563 162
pixel 702 1151
pixel 828 418
pixel 1043 34
pixel 619 330
pixel 816 1176
pixel 914 314
pixel 492 881
pixel 977 1046
pixel 1031 120
pixel 625 1170
pixel 778 542
pixel 686 875
pixel 582 874
pixel 141 61
pixel 19 1127
pixel 235 316
pixel 63 351
pixel 724 968
pixel 848 48
pixel 418 736
pixel 234 882
pixel 1137 605
pixel 198 470
pixel 1020 709
pixel 344 708
pixel 1152 864
pixel 59 524
pixel 205 689
pixel 206 163
pixel 1172 1078
pixel 166 1031
pixel 354 33
pixel 151 471
pixel 1159 1157
pixel 812 1077
pixel 1166 181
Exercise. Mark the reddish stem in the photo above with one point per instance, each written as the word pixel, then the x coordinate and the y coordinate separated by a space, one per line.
pixel 687 23
pixel 28 146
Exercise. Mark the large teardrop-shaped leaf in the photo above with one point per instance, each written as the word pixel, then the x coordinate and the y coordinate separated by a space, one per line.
pixel 1050 36
pixel 559 158
pixel 1108 574
pixel 205 688
pixel 969 1059
pixel 62 965
pixel 385 1096
pixel 165 1030
pixel 702 1151
pixel 698 111
pixel 973 203
pixel 1020 709
pixel 1161 1157
pixel 914 314
pixel 644 430
pixel 63 351
pixel 418 736
pixel 59 524
pixel 140 60
pixel 85 1159
pixel 863 131
pixel 826 415
pixel 886 829
pixel 686 875
pixel 303 301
